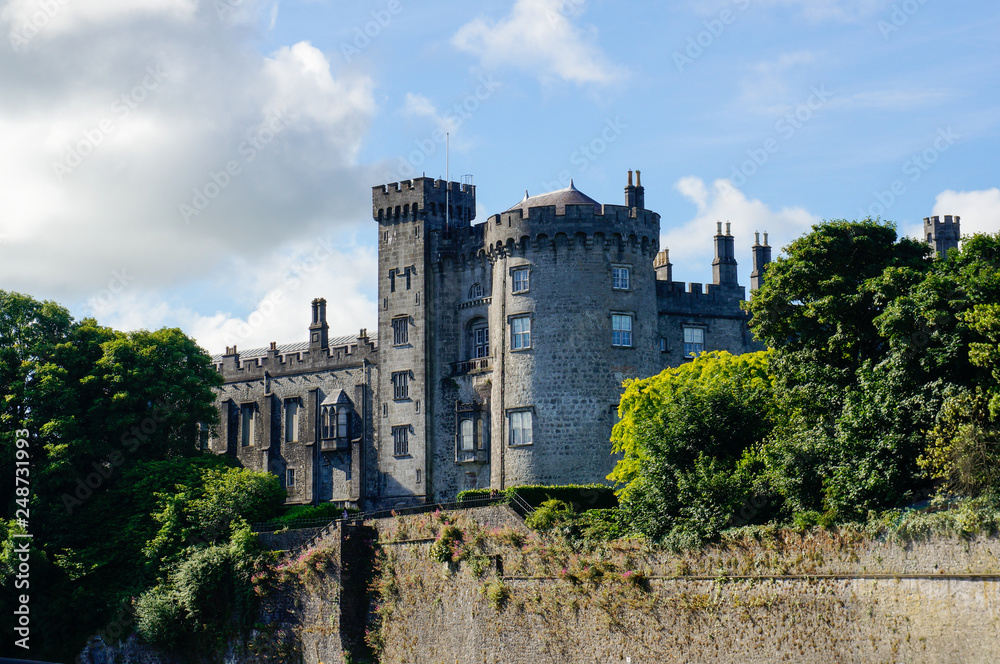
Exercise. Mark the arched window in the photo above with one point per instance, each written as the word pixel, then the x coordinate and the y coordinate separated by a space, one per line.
pixel 476 291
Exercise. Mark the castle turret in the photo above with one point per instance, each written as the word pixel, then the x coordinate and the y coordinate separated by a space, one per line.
pixel 724 265
pixel 319 331
pixel 761 257
pixel 942 235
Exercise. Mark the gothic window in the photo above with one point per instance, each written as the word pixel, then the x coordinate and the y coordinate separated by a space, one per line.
pixel 620 277
pixel 520 332
pixel 519 280
pixel 328 422
pixel 248 421
pixel 400 441
pixel 291 421
pixel 343 421
pixel 621 330
pixel 401 331
pixel 520 427
pixel 694 340
pixel 476 291
pixel 401 385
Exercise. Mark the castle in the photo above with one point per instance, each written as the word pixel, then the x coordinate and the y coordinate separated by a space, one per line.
pixel 500 351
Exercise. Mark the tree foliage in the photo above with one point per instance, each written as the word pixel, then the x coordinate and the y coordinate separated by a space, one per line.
pixel 881 387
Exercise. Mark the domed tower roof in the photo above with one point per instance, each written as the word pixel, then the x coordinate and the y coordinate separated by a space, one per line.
pixel 568 196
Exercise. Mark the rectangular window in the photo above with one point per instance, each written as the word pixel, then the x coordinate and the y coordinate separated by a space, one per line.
pixel 290 477
pixel 400 441
pixel 520 332
pixel 343 421
pixel 663 344
pixel 694 340
pixel 520 427
pixel 620 278
pixel 291 421
pixel 480 342
pixel 418 476
pixel 392 280
pixel 621 330
pixel 467 441
pixel 519 280
pixel 407 272
pixel 401 385
pixel 247 424
pixel 204 436
pixel 401 331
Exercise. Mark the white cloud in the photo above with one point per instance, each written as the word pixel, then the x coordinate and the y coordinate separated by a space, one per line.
pixel 46 19
pixel 103 144
pixel 540 37
pixel 279 292
pixel 690 243
pixel 979 210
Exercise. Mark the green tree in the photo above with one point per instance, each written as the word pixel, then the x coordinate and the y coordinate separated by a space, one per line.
pixel 688 438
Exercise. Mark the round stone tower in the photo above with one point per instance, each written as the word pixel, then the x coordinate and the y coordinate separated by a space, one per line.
pixel 573 314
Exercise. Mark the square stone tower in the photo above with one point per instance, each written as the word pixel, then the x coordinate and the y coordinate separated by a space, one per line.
pixel 409 213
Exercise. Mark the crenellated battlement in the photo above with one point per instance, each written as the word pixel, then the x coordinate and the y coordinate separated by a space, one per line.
pixel 292 359
pixel 584 226
pixel 425 199
pixel 678 297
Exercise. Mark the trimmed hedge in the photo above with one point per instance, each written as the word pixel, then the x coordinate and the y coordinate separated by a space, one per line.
pixel 581 496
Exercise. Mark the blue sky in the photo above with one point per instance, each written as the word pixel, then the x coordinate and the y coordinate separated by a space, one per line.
pixel 208 164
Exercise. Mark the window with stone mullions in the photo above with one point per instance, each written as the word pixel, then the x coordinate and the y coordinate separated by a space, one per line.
pixel 400 441
pixel 620 278
pixel 400 331
pixel 401 385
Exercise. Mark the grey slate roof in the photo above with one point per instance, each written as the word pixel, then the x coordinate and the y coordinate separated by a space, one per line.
pixel 568 196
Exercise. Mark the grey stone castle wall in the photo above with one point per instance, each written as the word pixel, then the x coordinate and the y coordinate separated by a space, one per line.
pixel 570 377
pixel 444 276
pixel 324 470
